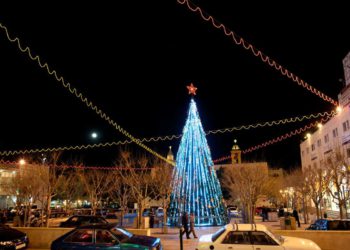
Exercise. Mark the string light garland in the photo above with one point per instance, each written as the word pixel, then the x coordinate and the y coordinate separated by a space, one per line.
pixel 256 52
pixel 169 137
pixel 26 50
pixel 277 139
pixel 251 149
pixel 274 123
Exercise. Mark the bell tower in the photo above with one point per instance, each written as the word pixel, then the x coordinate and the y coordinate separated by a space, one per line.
pixel 170 155
pixel 236 153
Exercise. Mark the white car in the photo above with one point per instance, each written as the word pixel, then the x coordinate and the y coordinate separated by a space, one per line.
pixel 233 212
pixel 251 237
pixel 160 212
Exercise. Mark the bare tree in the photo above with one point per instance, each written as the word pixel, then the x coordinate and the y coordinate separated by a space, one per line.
pixel 27 187
pixel 71 189
pixel 96 183
pixel 336 168
pixel 52 179
pixel 120 192
pixel 247 183
pixel 137 175
pixel 164 183
pixel 301 188
pixel 318 181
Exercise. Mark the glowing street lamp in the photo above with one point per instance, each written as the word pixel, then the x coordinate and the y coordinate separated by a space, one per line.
pixel 338 109
pixel 22 162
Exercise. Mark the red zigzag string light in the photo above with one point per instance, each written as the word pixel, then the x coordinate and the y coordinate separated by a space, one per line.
pixel 256 52
pixel 15 164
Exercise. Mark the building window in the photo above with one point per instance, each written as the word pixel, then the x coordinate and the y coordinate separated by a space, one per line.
pixel 346 126
pixel 319 143
pixel 313 147
pixel 348 152
pixel 326 138
pixel 335 132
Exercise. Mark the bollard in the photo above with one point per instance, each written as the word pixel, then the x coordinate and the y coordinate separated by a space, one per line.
pixel 181 242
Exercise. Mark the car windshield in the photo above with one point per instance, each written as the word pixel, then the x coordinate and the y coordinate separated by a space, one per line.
pixel 121 234
pixel 276 237
pixel 217 234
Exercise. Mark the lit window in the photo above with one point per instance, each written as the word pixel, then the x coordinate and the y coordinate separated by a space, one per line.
pixel 335 132
pixel 326 138
pixel 346 126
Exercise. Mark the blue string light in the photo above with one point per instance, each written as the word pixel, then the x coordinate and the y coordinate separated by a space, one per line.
pixel 197 188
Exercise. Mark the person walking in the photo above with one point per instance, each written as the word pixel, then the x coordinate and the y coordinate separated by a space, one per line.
pixel 151 219
pixel 192 226
pixel 185 225
pixel 296 216
pixel 281 212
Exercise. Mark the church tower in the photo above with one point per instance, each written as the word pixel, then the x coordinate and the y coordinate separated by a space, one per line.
pixel 236 153
pixel 170 156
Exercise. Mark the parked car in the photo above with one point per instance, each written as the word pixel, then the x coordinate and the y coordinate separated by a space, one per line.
pixel 329 224
pixel 252 236
pixel 146 212
pixel 159 212
pixel 82 211
pixel 81 220
pixel 233 212
pixel 11 239
pixel 104 237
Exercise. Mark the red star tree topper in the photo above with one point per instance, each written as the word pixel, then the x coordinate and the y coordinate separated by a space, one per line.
pixel 191 89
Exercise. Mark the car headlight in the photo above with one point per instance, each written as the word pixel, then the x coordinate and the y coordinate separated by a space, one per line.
pixel 157 247
pixel 6 243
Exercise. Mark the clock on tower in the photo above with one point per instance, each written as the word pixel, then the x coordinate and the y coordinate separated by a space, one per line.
pixel 346 65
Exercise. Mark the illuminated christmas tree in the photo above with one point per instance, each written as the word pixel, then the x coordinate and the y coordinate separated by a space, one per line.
pixel 197 188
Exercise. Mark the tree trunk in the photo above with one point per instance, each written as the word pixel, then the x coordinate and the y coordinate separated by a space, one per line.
pixel 253 214
pixel 139 215
pixel 122 216
pixel 48 211
pixel 165 221
pixel 342 210
pixel 304 210
pixel 317 210
pixel 245 213
pixel 249 214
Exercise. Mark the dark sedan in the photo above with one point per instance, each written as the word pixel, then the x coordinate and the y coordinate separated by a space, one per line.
pixel 11 239
pixel 82 220
pixel 329 224
pixel 103 237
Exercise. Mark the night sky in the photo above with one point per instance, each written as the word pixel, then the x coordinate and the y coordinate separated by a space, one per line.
pixel 133 59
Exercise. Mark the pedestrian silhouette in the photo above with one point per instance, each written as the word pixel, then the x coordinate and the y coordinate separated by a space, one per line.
pixel 151 219
pixel 185 225
pixel 296 216
pixel 192 226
